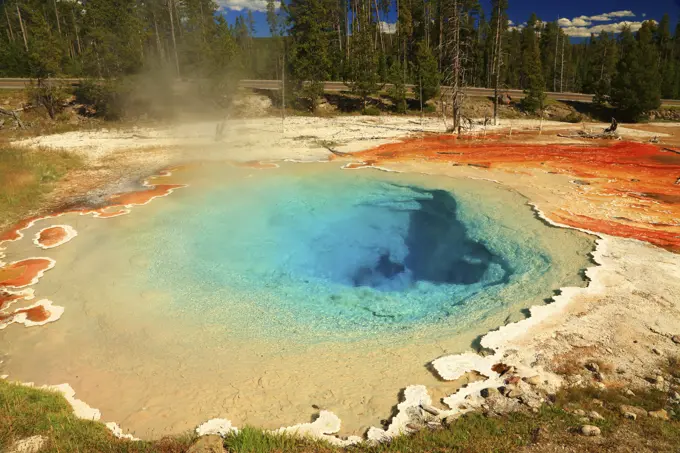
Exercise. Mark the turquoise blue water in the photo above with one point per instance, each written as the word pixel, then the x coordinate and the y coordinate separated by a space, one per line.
pixel 346 252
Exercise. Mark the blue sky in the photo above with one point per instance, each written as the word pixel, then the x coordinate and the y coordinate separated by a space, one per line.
pixel 579 17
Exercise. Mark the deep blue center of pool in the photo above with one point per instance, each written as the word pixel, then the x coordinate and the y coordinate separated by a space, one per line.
pixel 337 251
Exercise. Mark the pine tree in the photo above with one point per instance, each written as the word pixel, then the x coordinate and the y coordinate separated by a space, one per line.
pixel 426 75
pixel 532 72
pixel 363 78
pixel 667 64
pixel 310 64
pixel 398 89
pixel 635 88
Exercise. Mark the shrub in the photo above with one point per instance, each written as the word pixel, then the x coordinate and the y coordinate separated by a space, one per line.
pixel 574 117
pixel 102 98
pixel 371 110
pixel 50 94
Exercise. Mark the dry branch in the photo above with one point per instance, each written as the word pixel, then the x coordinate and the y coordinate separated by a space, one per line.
pixel 14 115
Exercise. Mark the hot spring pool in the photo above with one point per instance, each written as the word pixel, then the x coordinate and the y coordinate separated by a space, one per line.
pixel 259 295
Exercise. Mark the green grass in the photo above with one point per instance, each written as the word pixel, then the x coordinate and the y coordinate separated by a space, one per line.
pixel 26 412
pixel 26 176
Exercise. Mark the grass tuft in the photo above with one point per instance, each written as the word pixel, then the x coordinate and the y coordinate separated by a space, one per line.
pixel 26 176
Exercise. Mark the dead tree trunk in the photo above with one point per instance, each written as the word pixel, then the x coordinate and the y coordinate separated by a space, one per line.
pixel 14 115
pixel 9 24
pixel 172 31
pixel 23 29
pixel 56 13
pixel 75 26
pixel 498 58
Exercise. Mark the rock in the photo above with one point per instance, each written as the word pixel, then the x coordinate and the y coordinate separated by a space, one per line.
pixel 211 443
pixel 675 396
pixel 597 402
pixel 609 350
pixel 630 416
pixel 489 392
pixel 590 430
pixel 676 339
pixel 514 392
pixel 600 385
pixel 504 99
pixel 629 392
pixel 625 408
pixel 661 414
pixel 594 415
pixel 584 419
pixel 31 444
pixel 656 351
pixel 592 366
pixel 451 419
pixel 598 376
pixel 534 380
pixel 580 412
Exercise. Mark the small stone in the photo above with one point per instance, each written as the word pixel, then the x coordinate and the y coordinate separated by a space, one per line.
pixel 580 412
pixel 598 376
pixel 534 380
pixel 630 416
pixel 584 419
pixel 594 415
pixel 514 392
pixel 597 402
pixel 660 379
pixel 629 392
pixel 621 370
pixel 656 351
pixel 640 412
pixel 609 350
pixel 590 430
pixel 211 443
pixel 661 414
pixel 489 392
pixel 592 366
pixel 451 419
pixel 676 339
pixel 600 385
pixel 676 396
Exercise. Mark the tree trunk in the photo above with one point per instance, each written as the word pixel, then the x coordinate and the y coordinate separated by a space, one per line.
pixel 75 26
pixel 56 13
pixel 23 29
pixel 11 32
pixel 498 53
pixel 172 31
pixel 557 43
pixel 380 32
pixel 562 68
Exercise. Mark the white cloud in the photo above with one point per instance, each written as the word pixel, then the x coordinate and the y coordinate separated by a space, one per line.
pixel 625 13
pixel 582 26
pixel 511 23
pixel 388 28
pixel 240 5
pixel 617 27
pixel 581 21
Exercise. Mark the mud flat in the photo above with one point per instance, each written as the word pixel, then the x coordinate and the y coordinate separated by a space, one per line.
pixel 623 192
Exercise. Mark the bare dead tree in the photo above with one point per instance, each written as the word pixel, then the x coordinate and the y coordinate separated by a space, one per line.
pixel 452 48
pixel 23 29
pixel 172 30
pixel 498 59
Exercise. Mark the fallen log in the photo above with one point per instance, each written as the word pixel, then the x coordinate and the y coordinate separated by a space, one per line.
pixel 336 152
pixel 14 115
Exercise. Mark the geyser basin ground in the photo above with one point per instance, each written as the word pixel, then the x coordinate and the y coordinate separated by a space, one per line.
pixel 261 295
